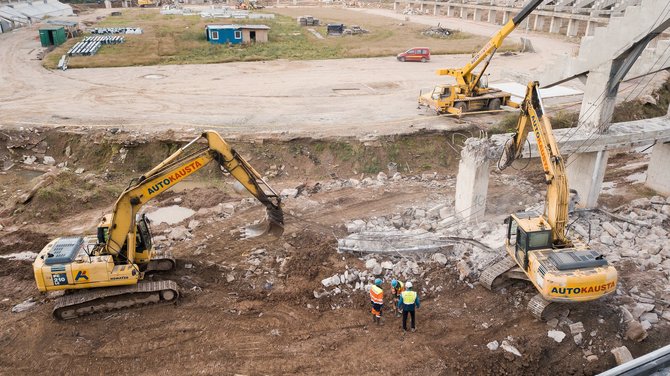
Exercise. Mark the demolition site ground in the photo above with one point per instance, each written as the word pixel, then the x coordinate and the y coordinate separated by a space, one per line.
pixel 343 143
pixel 258 306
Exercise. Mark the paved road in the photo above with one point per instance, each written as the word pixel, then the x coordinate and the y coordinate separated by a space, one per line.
pixel 329 97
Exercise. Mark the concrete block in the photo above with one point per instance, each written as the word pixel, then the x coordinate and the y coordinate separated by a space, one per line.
pixel 472 180
pixel 658 175
pixel 585 174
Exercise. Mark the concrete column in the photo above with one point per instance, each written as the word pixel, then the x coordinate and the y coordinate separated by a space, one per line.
pixel 464 13
pixel 435 9
pixel 478 15
pixel 506 15
pixel 658 175
pixel 539 23
pixel 124 3
pixel 585 174
pixel 450 11
pixel 572 28
pixel 597 103
pixel 421 7
pixel 590 28
pixel 472 180
pixel 108 4
pixel 491 18
pixel 395 5
pixel 555 25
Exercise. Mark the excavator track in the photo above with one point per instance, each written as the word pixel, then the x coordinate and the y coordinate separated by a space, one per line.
pixel 493 276
pixel 161 261
pixel 87 302
pixel 541 308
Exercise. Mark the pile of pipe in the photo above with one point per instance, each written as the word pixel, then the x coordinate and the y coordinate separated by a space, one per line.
pixel 116 30
pixel 89 46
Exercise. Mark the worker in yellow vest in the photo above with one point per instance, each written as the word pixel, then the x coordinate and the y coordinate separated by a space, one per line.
pixel 377 299
pixel 409 302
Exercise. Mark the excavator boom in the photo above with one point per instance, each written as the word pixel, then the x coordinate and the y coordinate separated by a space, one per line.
pixel 175 168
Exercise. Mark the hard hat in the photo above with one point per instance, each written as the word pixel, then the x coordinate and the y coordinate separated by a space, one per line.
pixel 378 282
pixel 394 282
pixel 408 285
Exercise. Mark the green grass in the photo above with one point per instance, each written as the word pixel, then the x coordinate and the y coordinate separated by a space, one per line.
pixel 173 39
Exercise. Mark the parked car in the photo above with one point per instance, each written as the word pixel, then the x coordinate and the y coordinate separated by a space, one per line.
pixel 421 54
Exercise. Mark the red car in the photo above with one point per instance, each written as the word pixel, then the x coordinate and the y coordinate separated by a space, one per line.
pixel 421 54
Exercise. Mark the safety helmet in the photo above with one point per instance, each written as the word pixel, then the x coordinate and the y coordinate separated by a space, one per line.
pixel 408 285
pixel 394 282
pixel 378 282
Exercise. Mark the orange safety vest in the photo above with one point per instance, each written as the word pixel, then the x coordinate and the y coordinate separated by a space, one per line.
pixel 377 295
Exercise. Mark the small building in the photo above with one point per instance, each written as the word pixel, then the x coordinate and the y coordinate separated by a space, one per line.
pixel 236 34
pixel 52 35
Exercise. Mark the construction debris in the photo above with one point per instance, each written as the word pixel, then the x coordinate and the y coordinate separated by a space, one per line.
pixel 438 32
pixel 308 21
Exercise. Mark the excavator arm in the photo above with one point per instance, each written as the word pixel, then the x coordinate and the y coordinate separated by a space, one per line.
pixel 533 117
pixel 174 169
pixel 464 75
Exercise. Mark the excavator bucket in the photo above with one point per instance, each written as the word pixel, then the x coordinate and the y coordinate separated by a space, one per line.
pixel 272 224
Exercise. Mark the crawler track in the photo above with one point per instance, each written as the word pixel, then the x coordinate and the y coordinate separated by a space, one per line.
pixel 88 302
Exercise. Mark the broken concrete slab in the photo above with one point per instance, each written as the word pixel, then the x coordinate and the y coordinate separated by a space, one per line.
pixel 621 355
pixel 556 335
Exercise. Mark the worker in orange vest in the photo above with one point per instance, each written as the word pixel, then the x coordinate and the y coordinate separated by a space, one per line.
pixel 377 299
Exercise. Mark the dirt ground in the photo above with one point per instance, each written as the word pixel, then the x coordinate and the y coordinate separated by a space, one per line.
pixel 249 306
pixel 266 320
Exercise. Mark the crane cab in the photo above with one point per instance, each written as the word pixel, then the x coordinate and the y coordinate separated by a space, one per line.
pixel 560 273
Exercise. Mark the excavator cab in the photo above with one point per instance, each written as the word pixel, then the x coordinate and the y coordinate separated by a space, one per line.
pixel 527 232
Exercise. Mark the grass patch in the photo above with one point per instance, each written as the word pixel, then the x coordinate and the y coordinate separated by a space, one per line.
pixel 173 39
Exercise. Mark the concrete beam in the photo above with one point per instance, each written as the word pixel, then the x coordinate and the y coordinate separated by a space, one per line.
pixel 619 136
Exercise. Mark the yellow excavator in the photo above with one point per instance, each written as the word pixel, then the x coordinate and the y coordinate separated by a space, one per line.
pixel 563 270
pixel 105 272
pixel 471 93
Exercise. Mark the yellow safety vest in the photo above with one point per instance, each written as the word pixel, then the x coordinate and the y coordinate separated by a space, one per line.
pixel 408 297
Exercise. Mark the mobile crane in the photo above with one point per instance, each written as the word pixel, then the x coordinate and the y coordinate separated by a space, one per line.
pixel 105 271
pixel 471 93
pixel 561 269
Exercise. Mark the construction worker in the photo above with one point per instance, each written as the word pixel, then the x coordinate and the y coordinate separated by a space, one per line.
pixel 397 288
pixel 409 301
pixel 377 299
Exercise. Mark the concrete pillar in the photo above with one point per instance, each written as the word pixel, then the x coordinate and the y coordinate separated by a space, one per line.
pixel 450 11
pixel 395 5
pixel 555 25
pixel 491 18
pixel 421 7
pixel 585 174
pixel 658 175
pixel 472 180
pixel 124 3
pixel 478 15
pixel 108 4
pixel 464 13
pixel 539 23
pixel 435 9
pixel 590 28
pixel 506 15
pixel 597 102
pixel 572 27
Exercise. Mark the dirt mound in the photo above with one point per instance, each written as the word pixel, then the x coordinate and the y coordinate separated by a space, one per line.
pixel 22 241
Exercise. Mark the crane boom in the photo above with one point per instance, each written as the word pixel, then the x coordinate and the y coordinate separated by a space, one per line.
pixel 175 168
pixel 533 117
pixel 464 75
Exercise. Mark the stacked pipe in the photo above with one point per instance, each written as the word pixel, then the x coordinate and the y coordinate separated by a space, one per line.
pixel 105 39
pixel 84 49
pixel 116 30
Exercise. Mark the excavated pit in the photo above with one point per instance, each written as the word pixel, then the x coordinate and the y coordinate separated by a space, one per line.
pixel 246 304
